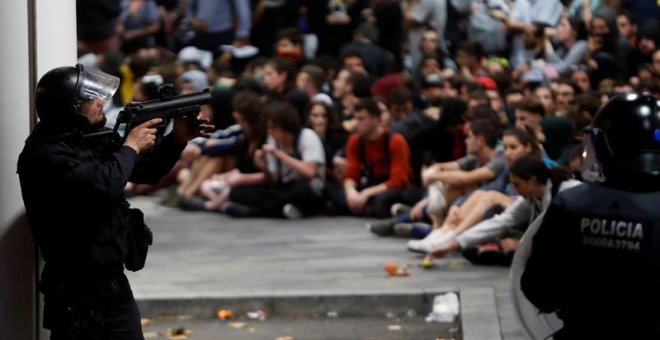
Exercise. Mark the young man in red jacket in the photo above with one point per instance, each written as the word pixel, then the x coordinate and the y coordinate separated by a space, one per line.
pixel 378 172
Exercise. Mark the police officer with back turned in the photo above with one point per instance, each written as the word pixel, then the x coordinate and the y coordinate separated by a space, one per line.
pixel 72 172
pixel 595 259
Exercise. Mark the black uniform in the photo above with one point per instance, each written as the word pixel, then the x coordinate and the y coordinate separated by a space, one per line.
pixel 595 262
pixel 73 192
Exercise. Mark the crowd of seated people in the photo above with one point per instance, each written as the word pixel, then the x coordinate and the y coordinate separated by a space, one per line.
pixel 449 125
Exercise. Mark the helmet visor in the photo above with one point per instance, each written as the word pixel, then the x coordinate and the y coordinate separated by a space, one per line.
pixel 95 84
pixel 591 168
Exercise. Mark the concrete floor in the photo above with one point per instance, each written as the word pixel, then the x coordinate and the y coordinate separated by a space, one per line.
pixel 201 262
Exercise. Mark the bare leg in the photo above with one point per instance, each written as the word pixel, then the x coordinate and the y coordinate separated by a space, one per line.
pixel 436 220
pixel 476 214
pixel 187 178
pixel 452 192
pixel 213 166
pixel 417 211
pixel 456 214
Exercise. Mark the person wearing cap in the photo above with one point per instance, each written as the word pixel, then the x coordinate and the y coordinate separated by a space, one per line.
pixel 72 172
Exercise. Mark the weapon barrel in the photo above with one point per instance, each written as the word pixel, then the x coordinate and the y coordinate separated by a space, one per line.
pixel 177 102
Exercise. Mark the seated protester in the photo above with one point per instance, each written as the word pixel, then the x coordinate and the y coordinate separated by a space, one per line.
pixel 279 76
pixel 559 140
pixel 323 120
pixel 289 45
pixel 374 58
pixel 431 52
pixel 416 126
pixel 451 132
pixel 609 53
pixel 293 177
pixel 347 88
pixel 483 163
pixel 627 27
pixel 537 185
pixel 445 129
pixel 339 157
pixel 512 96
pixel 469 57
pixel 497 194
pixel 548 99
pixel 447 181
pixel 565 94
pixel 431 92
pixel 354 62
pixel 571 45
pixel 378 170
pixel 579 78
pixel 529 113
pixel 553 132
pixel 649 44
pixel 310 80
pixel 225 150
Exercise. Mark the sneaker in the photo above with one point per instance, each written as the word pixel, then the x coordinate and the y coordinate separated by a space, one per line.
pixel 235 209
pixel 399 209
pixel 426 245
pixel 171 198
pixel 437 201
pixel 193 203
pixel 291 212
pixel 416 230
pixel 381 227
pixel 403 229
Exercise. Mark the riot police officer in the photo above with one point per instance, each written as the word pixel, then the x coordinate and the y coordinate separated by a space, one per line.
pixel 595 259
pixel 72 172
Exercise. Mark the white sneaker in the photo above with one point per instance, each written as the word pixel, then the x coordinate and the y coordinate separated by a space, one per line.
pixel 437 201
pixel 435 238
pixel 291 212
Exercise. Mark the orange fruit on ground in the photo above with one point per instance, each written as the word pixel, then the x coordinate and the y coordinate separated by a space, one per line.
pixel 391 268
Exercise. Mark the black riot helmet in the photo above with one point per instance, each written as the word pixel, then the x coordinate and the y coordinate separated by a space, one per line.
pixel 625 136
pixel 61 91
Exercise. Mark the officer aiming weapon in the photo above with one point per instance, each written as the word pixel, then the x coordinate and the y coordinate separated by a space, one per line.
pixel 166 107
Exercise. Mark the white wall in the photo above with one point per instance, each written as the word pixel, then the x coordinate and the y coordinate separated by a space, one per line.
pixel 35 36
